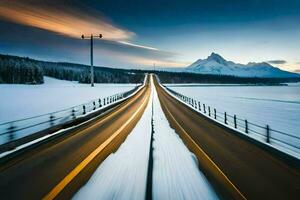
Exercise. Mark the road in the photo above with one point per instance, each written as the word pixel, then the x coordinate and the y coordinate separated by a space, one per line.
pixel 57 169
pixel 256 173
pixel 237 168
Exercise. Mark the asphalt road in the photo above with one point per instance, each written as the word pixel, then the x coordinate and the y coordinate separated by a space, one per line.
pixel 60 167
pixel 256 173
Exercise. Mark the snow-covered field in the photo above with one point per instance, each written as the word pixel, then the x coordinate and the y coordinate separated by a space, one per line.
pixel 277 106
pixel 123 175
pixel 23 101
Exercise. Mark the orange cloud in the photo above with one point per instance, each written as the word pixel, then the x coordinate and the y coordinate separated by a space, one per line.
pixel 62 20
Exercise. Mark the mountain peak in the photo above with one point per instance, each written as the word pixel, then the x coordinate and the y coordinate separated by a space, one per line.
pixel 216 57
pixel 216 64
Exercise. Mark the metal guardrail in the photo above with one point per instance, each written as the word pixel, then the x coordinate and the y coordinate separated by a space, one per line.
pixel 265 133
pixel 17 129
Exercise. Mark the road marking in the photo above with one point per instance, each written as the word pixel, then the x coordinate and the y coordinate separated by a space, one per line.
pixel 63 183
pixel 206 156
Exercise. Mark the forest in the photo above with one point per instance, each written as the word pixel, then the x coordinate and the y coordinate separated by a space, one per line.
pixel 23 70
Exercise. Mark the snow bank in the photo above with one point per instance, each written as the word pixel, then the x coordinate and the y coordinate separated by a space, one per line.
pixel 176 174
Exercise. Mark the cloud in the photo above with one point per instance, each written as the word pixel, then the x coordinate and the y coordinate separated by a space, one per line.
pixel 67 20
pixel 70 21
pixel 61 19
pixel 136 45
pixel 46 45
pixel 297 70
pixel 135 55
pixel 277 61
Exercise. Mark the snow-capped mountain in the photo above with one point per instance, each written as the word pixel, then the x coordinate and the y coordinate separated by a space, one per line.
pixel 215 64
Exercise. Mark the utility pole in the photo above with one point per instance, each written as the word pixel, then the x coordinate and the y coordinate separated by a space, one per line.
pixel 92 57
pixel 92 66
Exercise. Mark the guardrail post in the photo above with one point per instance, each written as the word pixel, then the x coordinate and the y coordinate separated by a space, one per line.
pixel 225 117
pixel 246 126
pixel 199 105
pixel 208 110
pixel 234 117
pixel 84 111
pixel 268 134
pixel 99 103
pixel 215 111
pixel 73 113
pixel 51 120
pixel 204 108
pixel 94 105
pixel 11 132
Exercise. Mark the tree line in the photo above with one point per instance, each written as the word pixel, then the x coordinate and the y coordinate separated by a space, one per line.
pixel 182 77
pixel 23 70
pixel 20 71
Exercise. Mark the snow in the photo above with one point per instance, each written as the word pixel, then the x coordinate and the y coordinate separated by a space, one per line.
pixel 277 106
pixel 175 171
pixel 123 174
pixel 23 101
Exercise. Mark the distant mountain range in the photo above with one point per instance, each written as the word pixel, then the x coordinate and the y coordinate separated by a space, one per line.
pixel 216 64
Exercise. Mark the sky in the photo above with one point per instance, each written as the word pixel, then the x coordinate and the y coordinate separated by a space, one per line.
pixel 139 33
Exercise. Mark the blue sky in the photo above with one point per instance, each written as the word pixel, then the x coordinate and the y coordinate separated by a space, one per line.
pixel 139 33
